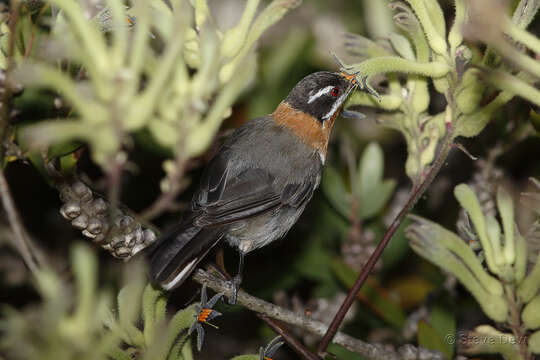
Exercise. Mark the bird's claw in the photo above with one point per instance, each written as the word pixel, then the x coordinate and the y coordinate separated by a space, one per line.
pixel 235 285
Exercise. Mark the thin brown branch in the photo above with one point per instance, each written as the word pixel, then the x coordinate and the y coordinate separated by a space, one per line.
pixel 15 8
pixel 371 351
pixel 417 192
pixel 294 344
pixel 167 198
pixel 21 239
pixel 114 179
pixel 298 347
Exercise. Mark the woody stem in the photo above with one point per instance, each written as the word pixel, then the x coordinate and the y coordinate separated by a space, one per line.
pixel 416 193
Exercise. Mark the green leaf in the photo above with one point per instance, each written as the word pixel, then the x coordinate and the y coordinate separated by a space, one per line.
pixel 129 304
pixel 372 203
pixel 180 322
pixel 334 188
pixel 370 170
pixel 373 192
pixel 534 117
pixel 468 200
pixel 63 149
pixel 444 322
pixel 534 342
pixel 506 210
pixel 430 339
pixel 402 46
pixel 150 303
pixel 315 261
pixel 531 313
pixel 315 264
pixel 530 285
pixel 387 309
pixel 397 249
pixel 68 164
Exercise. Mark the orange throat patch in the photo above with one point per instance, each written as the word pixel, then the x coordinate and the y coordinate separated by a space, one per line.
pixel 308 129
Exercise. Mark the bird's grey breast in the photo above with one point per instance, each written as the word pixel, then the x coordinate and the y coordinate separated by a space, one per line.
pixel 281 172
pixel 261 143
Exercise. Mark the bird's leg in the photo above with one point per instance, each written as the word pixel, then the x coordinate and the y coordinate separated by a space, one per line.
pixel 237 280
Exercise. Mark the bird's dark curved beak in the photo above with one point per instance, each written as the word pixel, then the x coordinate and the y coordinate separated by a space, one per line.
pixel 352 82
pixel 352 85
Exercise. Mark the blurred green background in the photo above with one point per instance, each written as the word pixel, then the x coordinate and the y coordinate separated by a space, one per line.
pixel 310 270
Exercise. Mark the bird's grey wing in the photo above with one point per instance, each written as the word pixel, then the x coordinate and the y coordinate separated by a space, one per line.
pixel 225 198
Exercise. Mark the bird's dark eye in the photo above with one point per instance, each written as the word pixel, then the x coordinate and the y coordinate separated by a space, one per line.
pixel 335 91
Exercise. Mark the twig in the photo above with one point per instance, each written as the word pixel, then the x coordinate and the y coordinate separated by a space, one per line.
pixel 167 198
pixel 294 344
pixel 417 192
pixel 372 351
pixel 6 104
pixel 291 340
pixel 22 241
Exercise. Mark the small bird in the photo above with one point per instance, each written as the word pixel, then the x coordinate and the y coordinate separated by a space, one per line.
pixel 259 182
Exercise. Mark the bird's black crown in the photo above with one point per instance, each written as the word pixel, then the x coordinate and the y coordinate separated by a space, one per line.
pixel 320 94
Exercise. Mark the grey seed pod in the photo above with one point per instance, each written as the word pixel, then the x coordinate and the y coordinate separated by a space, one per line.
pixel 100 206
pixel 104 227
pixel 117 242
pixel 149 236
pixel 126 221
pixel 137 248
pixel 88 234
pixel 80 222
pixel 123 237
pixel 99 239
pixel 70 210
pixel 123 252
pixel 138 233
pixel 130 238
pixel 82 191
pixel 94 226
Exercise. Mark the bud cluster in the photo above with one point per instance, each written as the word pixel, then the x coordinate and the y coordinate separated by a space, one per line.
pixel 122 236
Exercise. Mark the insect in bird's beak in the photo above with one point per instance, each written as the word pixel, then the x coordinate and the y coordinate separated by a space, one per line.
pixel 353 77
pixel 353 85
pixel 350 77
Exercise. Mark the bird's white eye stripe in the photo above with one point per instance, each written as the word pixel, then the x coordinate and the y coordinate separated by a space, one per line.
pixel 320 93
pixel 335 106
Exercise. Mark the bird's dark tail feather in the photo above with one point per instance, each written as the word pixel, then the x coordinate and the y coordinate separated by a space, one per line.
pixel 177 253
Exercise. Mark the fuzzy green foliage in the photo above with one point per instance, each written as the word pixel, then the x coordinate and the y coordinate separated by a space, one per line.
pixel 423 50
pixel 73 328
pixel 502 287
pixel 91 327
pixel 88 328
pixel 151 67
pixel 368 193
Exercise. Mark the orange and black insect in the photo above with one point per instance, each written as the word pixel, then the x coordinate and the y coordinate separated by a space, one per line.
pixel 205 313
